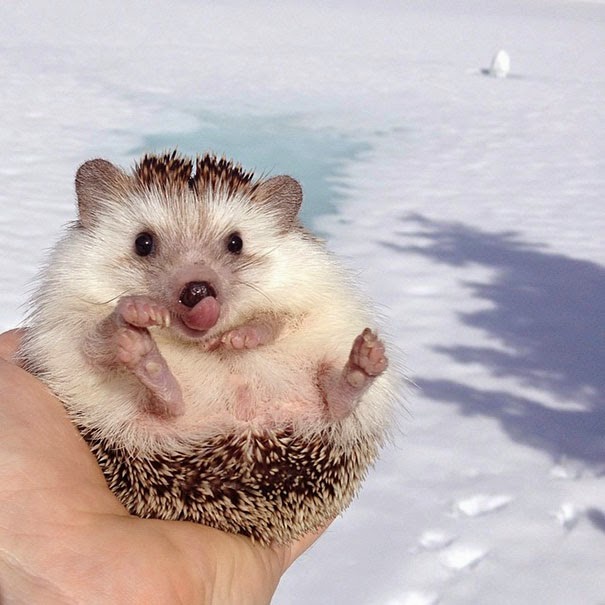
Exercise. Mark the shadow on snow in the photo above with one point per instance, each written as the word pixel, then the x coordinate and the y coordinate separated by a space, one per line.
pixel 548 310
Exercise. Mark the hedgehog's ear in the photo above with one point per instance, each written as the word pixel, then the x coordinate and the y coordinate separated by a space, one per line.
pixel 98 182
pixel 283 195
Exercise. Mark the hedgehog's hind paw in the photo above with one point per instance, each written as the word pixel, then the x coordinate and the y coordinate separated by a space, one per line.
pixel 139 353
pixel 342 389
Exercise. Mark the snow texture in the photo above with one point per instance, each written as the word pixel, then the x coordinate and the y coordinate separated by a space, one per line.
pixel 471 208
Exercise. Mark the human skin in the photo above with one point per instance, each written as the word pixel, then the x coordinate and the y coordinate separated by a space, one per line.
pixel 65 538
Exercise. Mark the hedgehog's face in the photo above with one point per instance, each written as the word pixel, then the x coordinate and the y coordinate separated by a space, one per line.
pixel 204 252
pixel 207 260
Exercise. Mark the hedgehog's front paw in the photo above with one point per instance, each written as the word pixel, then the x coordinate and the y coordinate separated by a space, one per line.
pixel 367 359
pixel 244 337
pixel 142 312
pixel 248 336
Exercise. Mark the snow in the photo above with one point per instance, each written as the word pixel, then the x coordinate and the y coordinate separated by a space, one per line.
pixel 471 208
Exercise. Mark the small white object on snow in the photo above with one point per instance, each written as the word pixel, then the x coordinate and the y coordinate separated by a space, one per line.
pixel 500 66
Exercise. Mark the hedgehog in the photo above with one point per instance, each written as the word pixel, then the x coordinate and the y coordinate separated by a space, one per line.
pixel 221 364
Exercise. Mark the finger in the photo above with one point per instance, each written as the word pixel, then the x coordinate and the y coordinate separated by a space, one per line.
pixel 9 341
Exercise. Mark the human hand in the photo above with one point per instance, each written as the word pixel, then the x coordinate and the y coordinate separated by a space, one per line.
pixel 65 538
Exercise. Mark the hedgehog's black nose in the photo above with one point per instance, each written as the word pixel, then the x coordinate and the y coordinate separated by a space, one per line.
pixel 194 291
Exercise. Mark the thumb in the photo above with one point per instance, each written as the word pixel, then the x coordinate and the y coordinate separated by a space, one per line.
pixel 9 342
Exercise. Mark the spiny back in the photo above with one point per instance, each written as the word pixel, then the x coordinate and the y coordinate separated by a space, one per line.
pixel 173 173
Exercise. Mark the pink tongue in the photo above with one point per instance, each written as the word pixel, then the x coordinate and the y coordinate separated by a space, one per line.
pixel 204 315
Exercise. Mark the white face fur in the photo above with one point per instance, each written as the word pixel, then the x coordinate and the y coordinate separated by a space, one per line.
pixel 238 245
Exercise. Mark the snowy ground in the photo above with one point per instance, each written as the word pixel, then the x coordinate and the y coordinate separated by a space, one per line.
pixel 472 208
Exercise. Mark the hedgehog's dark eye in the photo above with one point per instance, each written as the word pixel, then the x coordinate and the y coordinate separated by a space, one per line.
pixel 235 243
pixel 143 245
